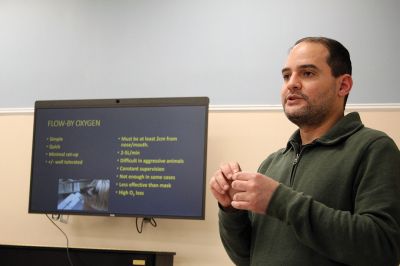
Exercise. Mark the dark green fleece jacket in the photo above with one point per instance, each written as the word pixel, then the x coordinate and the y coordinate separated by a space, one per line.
pixel 338 203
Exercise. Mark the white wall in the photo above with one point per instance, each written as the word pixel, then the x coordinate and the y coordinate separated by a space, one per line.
pixel 229 50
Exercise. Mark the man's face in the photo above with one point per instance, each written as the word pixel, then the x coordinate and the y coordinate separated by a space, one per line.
pixel 309 90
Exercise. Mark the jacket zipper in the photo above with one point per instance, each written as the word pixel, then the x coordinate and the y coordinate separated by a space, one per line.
pixel 294 166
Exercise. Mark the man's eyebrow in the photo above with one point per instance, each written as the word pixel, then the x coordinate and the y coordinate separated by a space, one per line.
pixel 306 66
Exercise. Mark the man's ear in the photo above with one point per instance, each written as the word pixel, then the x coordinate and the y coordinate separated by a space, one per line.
pixel 346 83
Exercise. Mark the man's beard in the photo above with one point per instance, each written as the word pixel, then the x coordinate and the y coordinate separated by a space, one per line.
pixel 310 115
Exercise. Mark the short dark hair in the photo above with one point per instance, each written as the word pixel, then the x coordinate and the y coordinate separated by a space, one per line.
pixel 338 59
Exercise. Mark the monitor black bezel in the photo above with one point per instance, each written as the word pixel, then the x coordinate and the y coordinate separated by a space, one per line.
pixel 121 103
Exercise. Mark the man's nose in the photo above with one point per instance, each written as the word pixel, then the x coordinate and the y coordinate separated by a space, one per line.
pixel 294 83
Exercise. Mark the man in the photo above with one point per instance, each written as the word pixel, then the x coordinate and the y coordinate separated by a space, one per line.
pixel 332 195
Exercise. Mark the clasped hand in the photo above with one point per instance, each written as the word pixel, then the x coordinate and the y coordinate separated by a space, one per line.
pixel 242 190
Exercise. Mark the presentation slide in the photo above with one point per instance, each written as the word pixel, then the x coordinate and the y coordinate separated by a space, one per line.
pixel 133 161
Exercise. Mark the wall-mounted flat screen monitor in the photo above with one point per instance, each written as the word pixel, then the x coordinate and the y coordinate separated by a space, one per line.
pixel 120 157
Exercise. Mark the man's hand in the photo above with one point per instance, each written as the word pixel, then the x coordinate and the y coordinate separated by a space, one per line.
pixel 254 191
pixel 220 183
